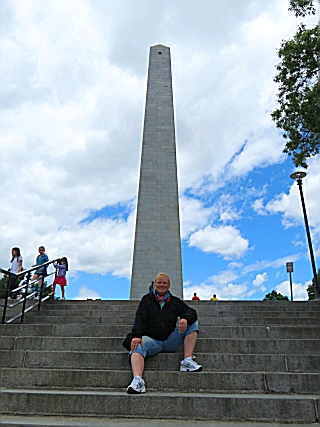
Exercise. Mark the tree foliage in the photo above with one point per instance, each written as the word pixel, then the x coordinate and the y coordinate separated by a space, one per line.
pixel 302 7
pixel 311 292
pixel 299 89
pixel 275 296
pixel 3 286
pixel 311 287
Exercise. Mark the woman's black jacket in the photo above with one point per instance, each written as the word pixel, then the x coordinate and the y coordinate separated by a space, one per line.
pixel 158 323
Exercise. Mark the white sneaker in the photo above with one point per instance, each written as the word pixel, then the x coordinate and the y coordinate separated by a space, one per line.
pixel 190 365
pixel 137 386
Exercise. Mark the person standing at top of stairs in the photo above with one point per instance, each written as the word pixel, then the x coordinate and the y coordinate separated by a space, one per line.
pixel 155 331
pixel 41 271
pixel 16 267
pixel 62 266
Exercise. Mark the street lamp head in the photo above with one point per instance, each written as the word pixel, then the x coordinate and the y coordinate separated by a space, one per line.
pixel 298 175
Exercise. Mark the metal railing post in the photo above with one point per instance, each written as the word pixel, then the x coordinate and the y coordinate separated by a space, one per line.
pixel 41 288
pixel 25 297
pixel 6 298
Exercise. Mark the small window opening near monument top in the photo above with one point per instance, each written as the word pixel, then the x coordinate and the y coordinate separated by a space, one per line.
pixel 159 53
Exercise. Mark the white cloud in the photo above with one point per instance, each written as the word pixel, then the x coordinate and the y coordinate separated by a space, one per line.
pixel 233 95
pixel 235 264
pixel 275 263
pixel 86 293
pixel 223 277
pixel 258 207
pixel 101 246
pixel 108 250
pixel 260 279
pixel 229 215
pixel 193 215
pixel 260 151
pixel 225 241
pixel 64 153
pixel 299 290
pixel 289 205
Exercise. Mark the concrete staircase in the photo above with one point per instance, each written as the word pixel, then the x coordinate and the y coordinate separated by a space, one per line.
pixel 260 364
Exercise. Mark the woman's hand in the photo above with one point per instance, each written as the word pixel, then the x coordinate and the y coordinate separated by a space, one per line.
pixel 182 326
pixel 135 342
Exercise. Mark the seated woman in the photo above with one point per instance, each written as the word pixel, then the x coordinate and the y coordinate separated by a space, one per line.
pixel 155 330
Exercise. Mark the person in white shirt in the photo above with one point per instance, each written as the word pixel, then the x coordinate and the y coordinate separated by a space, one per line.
pixel 16 267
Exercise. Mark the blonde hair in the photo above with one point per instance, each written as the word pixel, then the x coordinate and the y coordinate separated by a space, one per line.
pixel 164 275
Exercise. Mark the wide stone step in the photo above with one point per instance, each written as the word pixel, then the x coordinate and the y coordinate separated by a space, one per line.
pixel 228 407
pixel 43 318
pixel 65 421
pixel 118 305
pixel 212 321
pixel 204 307
pixel 204 345
pixel 163 361
pixel 202 382
pixel 259 332
pixel 106 313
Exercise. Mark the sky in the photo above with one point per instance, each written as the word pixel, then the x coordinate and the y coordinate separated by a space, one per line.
pixel 73 86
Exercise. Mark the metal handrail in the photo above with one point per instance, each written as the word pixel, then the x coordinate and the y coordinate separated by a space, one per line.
pixel 24 286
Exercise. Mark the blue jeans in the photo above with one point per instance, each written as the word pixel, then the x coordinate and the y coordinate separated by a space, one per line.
pixel 151 347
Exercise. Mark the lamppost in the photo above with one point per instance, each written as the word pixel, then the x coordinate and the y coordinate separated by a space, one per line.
pixel 298 177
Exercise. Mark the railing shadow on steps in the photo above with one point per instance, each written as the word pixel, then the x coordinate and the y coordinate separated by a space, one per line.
pixel 23 290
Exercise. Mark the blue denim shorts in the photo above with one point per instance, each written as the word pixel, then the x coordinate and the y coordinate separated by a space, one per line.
pixel 151 347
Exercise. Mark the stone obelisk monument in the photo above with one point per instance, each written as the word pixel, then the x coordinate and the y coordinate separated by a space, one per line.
pixel 157 246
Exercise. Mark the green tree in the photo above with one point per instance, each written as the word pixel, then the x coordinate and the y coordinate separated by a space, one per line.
pixel 302 7
pixel 311 292
pixel 275 296
pixel 311 287
pixel 47 289
pixel 3 286
pixel 299 88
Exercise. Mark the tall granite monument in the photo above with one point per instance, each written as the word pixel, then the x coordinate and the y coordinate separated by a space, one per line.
pixel 157 246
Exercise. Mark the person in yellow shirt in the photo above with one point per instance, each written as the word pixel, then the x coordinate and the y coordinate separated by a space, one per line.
pixel 214 298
